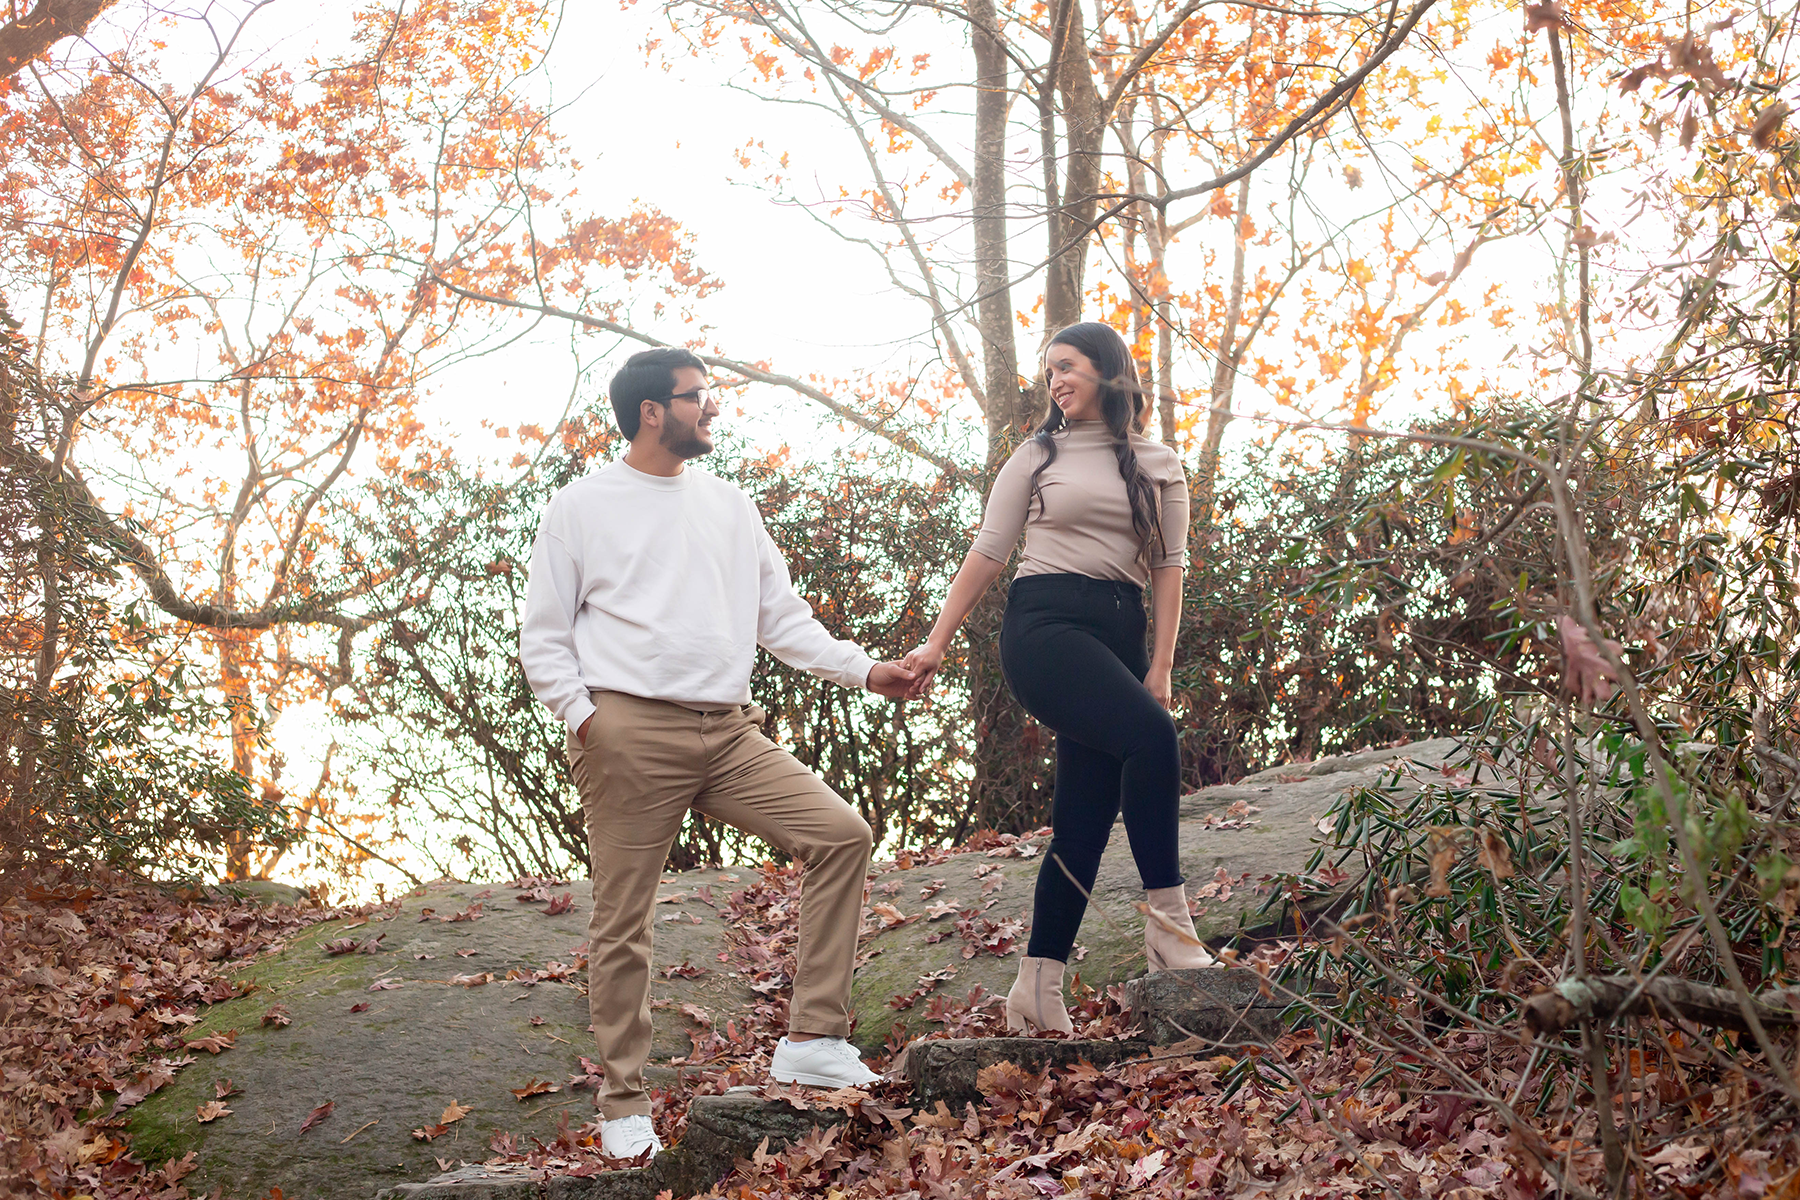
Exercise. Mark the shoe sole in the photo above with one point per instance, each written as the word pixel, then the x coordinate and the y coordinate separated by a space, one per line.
pixel 819 1081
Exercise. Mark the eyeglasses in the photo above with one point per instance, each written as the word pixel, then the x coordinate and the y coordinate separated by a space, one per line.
pixel 700 396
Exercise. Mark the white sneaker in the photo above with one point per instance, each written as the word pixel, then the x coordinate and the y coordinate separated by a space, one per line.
pixel 827 1062
pixel 628 1137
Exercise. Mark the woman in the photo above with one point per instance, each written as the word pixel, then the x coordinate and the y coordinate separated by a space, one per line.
pixel 1104 510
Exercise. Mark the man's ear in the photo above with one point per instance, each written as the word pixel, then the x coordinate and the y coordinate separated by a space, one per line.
pixel 649 414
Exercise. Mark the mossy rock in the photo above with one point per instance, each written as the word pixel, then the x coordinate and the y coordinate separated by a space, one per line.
pixel 395 1066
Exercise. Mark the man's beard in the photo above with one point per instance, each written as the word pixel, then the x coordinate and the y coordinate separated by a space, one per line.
pixel 683 441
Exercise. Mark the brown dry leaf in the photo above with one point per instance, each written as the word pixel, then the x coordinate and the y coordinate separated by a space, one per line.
pixel 212 1110
pixel 317 1115
pixel 1353 177
pixel 223 1088
pixel 471 980
pixel 1694 58
pixel 891 917
pixel 1586 672
pixel 385 985
pixel 1768 124
pixel 278 1016
pixel 454 1112
pixel 1690 129
pixel 1544 16
pixel 429 1132
pixel 1442 847
pixel 1494 854
pixel 216 1043
pixel 537 1087
pixel 560 905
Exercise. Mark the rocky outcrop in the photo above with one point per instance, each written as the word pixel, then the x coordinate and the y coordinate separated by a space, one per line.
pixel 427 1016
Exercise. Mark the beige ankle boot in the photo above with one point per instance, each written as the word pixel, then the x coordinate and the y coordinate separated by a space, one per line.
pixel 1170 942
pixel 1035 1002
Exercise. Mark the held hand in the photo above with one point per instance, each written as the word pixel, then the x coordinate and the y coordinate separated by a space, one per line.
pixel 924 661
pixel 1158 683
pixel 581 734
pixel 890 679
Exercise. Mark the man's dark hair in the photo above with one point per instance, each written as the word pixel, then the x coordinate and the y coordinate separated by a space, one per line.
pixel 646 375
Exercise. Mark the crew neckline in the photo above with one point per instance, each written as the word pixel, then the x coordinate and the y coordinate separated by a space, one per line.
pixel 667 483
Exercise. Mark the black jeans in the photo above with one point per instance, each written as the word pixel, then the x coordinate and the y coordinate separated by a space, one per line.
pixel 1074 655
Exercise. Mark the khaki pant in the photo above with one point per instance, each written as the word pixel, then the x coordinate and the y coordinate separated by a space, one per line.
pixel 645 763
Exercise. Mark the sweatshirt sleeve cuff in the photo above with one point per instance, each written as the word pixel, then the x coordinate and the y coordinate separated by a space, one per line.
pixel 856 672
pixel 577 713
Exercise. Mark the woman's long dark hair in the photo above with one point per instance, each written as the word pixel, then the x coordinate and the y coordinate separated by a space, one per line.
pixel 1121 407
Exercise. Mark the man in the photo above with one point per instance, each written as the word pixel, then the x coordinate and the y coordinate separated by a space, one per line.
pixel 652 584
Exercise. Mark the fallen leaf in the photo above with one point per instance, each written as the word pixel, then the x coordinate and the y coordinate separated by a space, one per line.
pixel 384 985
pixel 429 1132
pixel 467 953
pixel 223 1088
pixel 891 917
pixel 278 1016
pixel 537 1087
pixel 454 1112
pixel 560 905
pixel 356 1008
pixel 317 1115
pixel 471 980
pixel 216 1043
pixel 212 1110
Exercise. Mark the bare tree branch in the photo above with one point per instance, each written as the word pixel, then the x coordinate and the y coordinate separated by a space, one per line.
pixel 756 374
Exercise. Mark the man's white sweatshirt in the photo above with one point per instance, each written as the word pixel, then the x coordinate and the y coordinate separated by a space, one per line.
pixel 663 587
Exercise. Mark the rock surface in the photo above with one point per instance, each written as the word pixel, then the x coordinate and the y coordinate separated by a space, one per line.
pixel 1275 839
pixel 394 1066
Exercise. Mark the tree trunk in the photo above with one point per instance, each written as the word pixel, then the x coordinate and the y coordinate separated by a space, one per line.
pixel 234 681
pixel 1009 790
pixel 1084 127
pixel 1225 365
pixel 48 23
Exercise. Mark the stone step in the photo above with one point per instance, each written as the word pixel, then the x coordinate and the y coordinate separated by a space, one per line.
pixel 1223 1008
pixel 721 1130
pixel 947 1068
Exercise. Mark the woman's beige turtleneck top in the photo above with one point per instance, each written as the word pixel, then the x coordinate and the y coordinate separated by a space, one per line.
pixel 1083 526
